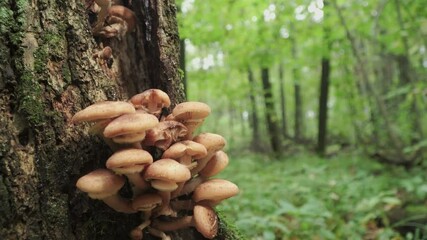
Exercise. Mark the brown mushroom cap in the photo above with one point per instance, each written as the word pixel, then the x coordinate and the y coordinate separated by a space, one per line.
pixel 100 183
pixel 191 110
pixel 152 99
pixel 146 202
pixel 205 221
pixel 215 165
pixel 130 124
pixel 213 142
pixel 167 170
pixel 129 161
pixel 185 148
pixel 103 110
pixel 125 14
pixel 215 190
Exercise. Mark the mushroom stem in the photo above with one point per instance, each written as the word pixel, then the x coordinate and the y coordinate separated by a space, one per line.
pixel 137 180
pixel 119 204
pixel 136 233
pixel 178 205
pixel 165 209
pixel 202 163
pixel 184 222
pixel 189 187
pixel 158 233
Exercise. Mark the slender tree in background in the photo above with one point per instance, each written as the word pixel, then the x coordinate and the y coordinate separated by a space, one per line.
pixel 256 140
pixel 48 73
pixel 324 85
pixel 283 101
pixel 270 112
pixel 299 120
pixel 182 65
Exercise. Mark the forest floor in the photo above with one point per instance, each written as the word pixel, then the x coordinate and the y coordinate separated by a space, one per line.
pixel 344 197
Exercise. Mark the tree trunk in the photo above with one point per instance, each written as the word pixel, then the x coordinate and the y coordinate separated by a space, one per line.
pixel 182 65
pixel 283 102
pixel 255 143
pixel 324 86
pixel 298 127
pixel 270 112
pixel 47 73
pixel 323 106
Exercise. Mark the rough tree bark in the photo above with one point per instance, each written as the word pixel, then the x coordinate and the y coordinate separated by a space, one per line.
pixel 270 112
pixel 47 73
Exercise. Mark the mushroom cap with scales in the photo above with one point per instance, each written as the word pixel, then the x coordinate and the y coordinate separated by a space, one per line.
pixel 128 161
pixel 103 110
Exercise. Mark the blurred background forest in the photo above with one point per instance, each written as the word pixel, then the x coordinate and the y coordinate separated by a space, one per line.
pixel 323 105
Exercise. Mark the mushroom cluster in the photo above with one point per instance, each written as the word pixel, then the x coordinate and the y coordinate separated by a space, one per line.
pixel 169 169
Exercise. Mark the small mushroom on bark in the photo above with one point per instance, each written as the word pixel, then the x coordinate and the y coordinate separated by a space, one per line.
pixel 104 185
pixel 120 21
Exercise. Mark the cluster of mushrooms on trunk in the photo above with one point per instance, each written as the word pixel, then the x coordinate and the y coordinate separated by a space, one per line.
pixel 171 190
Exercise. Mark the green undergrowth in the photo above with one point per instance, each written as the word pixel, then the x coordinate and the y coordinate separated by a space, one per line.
pixel 306 197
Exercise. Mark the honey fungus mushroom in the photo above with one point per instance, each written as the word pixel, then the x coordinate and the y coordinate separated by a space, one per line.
pixel 131 162
pixel 130 128
pixel 214 191
pixel 191 114
pixel 204 219
pixel 120 20
pixel 151 100
pixel 164 175
pixel 185 162
pixel 213 143
pixel 104 185
pixel 102 111
pixel 216 164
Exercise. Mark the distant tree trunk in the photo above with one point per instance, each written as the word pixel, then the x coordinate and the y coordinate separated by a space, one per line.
pixel 406 75
pixel 394 141
pixel 256 141
pixel 299 124
pixel 47 73
pixel 323 107
pixel 270 112
pixel 324 88
pixel 182 65
pixel 283 102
